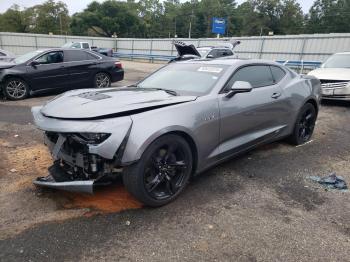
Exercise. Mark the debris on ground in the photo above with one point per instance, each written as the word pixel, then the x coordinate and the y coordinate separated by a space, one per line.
pixel 331 181
pixel 13 170
pixel 16 136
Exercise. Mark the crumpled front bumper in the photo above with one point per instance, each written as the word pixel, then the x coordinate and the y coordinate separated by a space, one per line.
pixel 85 186
pixel 118 127
pixel 107 151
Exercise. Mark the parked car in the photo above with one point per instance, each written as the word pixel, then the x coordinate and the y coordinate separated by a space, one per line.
pixel 78 45
pixel 86 45
pixel 103 51
pixel 335 77
pixel 6 56
pixel 189 51
pixel 57 69
pixel 177 122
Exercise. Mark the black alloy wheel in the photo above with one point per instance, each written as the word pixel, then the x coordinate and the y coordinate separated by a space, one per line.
pixel 162 172
pixel 305 125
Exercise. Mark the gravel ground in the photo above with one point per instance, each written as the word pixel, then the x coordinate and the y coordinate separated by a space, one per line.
pixel 260 206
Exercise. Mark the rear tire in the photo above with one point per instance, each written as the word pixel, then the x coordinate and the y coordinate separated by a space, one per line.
pixel 304 126
pixel 162 172
pixel 102 80
pixel 16 89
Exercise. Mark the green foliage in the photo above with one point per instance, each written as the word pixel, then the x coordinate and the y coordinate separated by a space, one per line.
pixel 48 17
pixel 329 16
pixel 170 18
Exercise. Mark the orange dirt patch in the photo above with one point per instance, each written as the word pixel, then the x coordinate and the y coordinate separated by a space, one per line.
pixel 107 200
pixel 33 161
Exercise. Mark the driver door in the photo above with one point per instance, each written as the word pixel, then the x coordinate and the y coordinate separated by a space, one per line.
pixel 48 72
pixel 248 119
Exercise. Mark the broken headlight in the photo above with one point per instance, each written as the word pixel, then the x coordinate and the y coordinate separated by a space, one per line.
pixel 93 138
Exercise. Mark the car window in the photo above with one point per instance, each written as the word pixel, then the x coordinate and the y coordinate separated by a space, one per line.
pixel 277 73
pixel 214 53
pixel 51 58
pixel 91 56
pixel 77 55
pixel 257 76
pixel 75 45
pixel 85 45
pixel 225 52
pixel 2 54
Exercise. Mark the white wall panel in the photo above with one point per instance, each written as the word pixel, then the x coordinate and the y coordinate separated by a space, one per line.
pixel 316 47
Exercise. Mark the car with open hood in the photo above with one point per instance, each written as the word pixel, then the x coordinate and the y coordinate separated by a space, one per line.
pixel 334 75
pixel 57 69
pixel 179 121
pixel 189 51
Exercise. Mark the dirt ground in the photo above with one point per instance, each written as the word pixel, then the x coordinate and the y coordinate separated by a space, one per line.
pixel 257 207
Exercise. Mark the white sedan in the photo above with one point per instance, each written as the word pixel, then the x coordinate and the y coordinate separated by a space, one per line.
pixel 334 75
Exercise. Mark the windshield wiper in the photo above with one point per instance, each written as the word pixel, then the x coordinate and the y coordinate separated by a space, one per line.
pixel 171 92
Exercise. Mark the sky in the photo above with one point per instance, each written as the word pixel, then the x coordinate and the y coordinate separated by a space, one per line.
pixel 78 5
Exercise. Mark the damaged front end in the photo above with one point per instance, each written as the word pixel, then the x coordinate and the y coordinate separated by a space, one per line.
pixel 82 160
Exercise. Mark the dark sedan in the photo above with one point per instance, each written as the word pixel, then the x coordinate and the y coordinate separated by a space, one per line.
pixel 57 69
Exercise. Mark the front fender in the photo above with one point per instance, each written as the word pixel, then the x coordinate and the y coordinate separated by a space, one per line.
pixel 133 153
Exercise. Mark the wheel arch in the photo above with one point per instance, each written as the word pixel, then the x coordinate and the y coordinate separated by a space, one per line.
pixel 313 102
pixel 192 145
pixel 131 156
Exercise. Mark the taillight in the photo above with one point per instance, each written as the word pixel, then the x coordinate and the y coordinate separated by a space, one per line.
pixel 118 65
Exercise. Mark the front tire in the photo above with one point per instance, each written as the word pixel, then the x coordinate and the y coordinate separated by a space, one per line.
pixel 16 89
pixel 304 126
pixel 162 173
pixel 102 80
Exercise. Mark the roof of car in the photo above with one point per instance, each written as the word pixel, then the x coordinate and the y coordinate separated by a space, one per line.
pixel 213 47
pixel 229 61
pixel 343 53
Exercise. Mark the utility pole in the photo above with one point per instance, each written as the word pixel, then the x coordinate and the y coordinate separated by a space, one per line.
pixel 190 28
pixel 60 23
pixel 175 29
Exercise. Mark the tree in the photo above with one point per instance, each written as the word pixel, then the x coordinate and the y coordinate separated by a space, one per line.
pixel 15 20
pixel 51 17
pixel 329 16
pixel 292 18
pixel 106 18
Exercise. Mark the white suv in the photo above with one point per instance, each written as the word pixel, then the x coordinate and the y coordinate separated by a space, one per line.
pixel 334 75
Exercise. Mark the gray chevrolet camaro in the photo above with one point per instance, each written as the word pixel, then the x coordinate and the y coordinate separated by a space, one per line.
pixel 177 122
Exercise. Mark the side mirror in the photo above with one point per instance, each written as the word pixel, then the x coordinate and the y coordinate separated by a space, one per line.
pixel 239 87
pixel 210 56
pixel 34 63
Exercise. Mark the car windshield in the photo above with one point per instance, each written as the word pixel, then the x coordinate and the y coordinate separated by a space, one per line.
pixel 185 78
pixel 338 61
pixel 24 58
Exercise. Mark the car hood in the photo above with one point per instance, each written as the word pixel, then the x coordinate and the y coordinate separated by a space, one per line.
pixel 4 65
pixel 110 102
pixel 331 73
pixel 184 49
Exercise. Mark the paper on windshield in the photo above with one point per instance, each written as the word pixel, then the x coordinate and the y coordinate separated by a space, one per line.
pixel 210 69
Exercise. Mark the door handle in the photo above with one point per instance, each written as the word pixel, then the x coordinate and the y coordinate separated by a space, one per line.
pixel 276 95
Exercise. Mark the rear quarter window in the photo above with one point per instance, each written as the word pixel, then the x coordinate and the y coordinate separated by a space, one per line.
pixel 277 73
pixel 78 55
